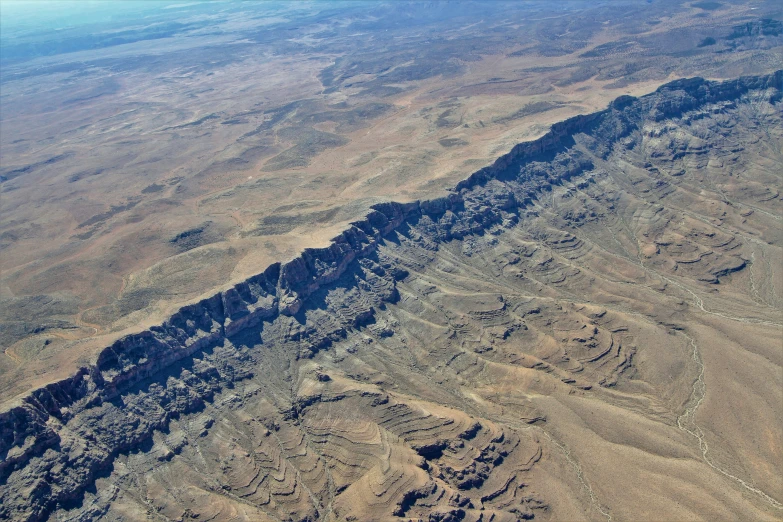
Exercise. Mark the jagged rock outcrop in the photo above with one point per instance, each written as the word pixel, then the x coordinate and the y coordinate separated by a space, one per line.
pixel 58 440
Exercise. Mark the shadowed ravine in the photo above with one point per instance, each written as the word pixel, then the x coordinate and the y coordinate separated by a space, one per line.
pixel 478 353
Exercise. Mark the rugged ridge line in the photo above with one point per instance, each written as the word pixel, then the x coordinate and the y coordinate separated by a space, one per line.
pixel 34 426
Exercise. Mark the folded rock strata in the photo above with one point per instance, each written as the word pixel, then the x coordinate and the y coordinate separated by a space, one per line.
pixel 58 440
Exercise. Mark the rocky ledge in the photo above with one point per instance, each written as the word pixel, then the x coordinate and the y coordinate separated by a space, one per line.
pixel 55 441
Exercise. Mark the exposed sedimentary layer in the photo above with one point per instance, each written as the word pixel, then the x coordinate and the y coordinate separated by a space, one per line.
pixel 251 352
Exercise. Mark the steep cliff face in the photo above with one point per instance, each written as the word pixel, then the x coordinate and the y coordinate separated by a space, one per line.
pixel 63 437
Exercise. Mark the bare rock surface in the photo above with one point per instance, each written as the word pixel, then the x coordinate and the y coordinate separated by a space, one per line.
pixel 473 357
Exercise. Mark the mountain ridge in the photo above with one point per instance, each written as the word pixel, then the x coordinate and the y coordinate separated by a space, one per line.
pixel 32 426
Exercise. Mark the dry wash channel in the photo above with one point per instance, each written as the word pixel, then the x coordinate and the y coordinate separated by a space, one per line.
pixel 590 327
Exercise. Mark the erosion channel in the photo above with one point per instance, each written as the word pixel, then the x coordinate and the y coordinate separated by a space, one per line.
pixel 590 327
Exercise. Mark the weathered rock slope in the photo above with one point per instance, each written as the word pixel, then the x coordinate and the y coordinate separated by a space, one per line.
pixel 434 361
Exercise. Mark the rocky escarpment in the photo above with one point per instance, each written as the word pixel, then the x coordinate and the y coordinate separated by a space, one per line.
pixel 55 442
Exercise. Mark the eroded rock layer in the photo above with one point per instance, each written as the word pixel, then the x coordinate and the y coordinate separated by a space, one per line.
pixel 474 357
